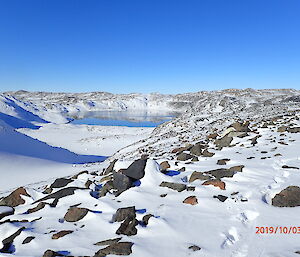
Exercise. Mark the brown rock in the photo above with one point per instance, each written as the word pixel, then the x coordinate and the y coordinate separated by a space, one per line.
pixel 74 214
pixel 212 136
pixel 40 206
pixel 165 165
pixel 289 197
pixel 223 161
pixel 206 153
pixel 15 199
pixel 198 175
pixel 216 183
pixel 192 200
pixel 61 233
pixel 120 248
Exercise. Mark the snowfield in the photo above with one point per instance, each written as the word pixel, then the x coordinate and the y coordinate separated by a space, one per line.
pixel 222 179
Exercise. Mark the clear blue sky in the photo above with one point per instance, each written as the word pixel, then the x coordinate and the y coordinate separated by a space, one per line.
pixel 146 46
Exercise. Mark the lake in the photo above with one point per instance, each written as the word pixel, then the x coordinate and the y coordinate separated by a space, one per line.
pixel 123 118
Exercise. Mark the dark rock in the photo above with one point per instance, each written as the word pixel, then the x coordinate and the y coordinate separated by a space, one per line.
pixel 184 157
pixel 223 161
pixel 74 214
pixel 128 227
pixel 164 165
pixel 110 168
pixel 80 173
pixel 14 199
pixel 294 130
pixel 50 253
pixel 190 188
pixel 195 159
pixel 175 186
pixel 88 183
pixel 198 175
pixel 221 173
pixel 136 170
pixel 146 219
pixel 8 242
pixel 7 212
pixel 61 233
pixel 120 248
pixel 28 239
pixel 254 139
pixel 289 197
pixel 121 182
pixel 109 241
pixel 282 129
pixel 40 206
pixel 194 248
pixel 123 213
pixel 163 195
pixel 289 167
pixel 60 182
pixel 60 193
pixel 222 198
pixel 241 127
pixel 223 142
pixel 215 183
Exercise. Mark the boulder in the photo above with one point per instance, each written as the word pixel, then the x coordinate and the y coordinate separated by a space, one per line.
pixel 128 227
pixel 197 149
pixel 108 241
pixel 106 188
pixel 136 170
pixel 110 168
pixel 222 161
pixel 198 175
pixel 294 130
pixel 74 214
pixel 164 165
pixel 241 126
pixel 8 242
pixel 146 219
pixel 206 153
pixel 289 197
pixel 28 239
pixel 192 200
pixel 184 157
pixel 60 182
pixel 15 198
pixel 221 173
pixel 282 129
pixel 223 142
pixel 175 186
pixel 238 168
pixel 216 183
pixel 120 248
pixel 40 206
pixel 221 198
pixel 121 182
pixel 123 213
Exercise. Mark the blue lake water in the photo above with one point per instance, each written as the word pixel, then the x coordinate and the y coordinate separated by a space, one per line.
pixel 124 118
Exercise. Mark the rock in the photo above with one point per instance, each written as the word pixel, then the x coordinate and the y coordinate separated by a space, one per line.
pixel 60 193
pixel 61 233
pixel 215 183
pixel 194 248
pixel 222 198
pixel 212 136
pixel 88 183
pixel 8 242
pixel 146 219
pixel 128 227
pixel 222 161
pixel 289 167
pixel 241 127
pixel 197 149
pixel 50 253
pixel 28 239
pixel 254 139
pixel 175 186
pixel 282 129
pixel 74 214
pixel 121 182
pixel 110 168
pixel 136 170
pixel 60 182
pixel 14 199
pixel 221 173
pixel 190 188
pixel 206 153
pixel 109 241
pixel 294 130
pixel 106 188
pixel 198 175
pixel 120 248
pixel 289 197
pixel 40 206
pixel 238 168
pixel 123 213
pixel 195 159
pixel 184 157
pixel 106 178
pixel 6 211
pixel 192 200
pixel 164 165
pixel 223 142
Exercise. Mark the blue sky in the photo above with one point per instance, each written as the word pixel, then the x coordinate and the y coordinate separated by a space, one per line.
pixel 166 46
